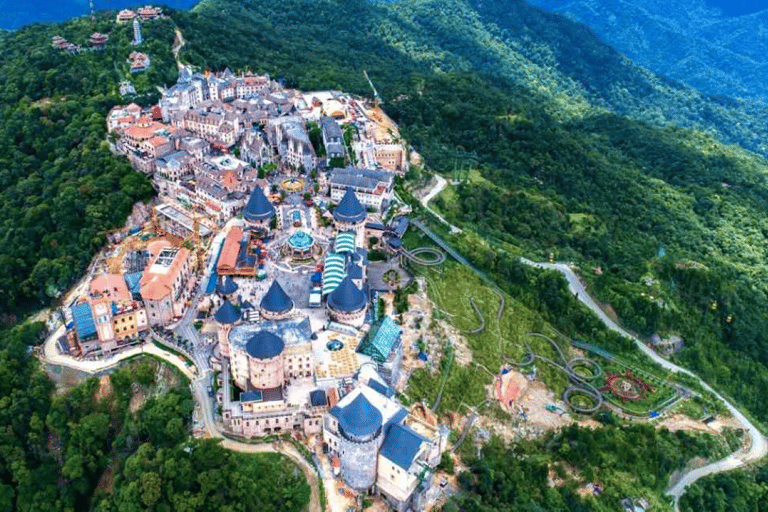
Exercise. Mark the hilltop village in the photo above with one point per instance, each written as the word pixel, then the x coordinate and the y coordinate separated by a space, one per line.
pixel 264 262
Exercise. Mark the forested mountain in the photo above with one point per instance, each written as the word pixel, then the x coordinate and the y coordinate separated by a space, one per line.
pixel 688 41
pixel 665 212
pixel 120 444
pixel 576 151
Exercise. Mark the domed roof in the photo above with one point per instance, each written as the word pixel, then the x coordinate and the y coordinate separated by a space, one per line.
pixel 349 208
pixel 226 286
pixel 227 314
pixel 276 300
pixel 258 208
pixel 360 418
pixel 264 345
pixel 346 297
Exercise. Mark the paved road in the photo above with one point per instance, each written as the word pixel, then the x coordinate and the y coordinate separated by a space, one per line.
pixel 439 186
pixel 199 386
pixel 759 446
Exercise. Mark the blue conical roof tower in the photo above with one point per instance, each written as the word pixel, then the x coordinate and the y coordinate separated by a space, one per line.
pixel 226 286
pixel 276 300
pixel 349 209
pixel 360 418
pixel 259 208
pixel 264 345
pixel 227 314
pixel 346 297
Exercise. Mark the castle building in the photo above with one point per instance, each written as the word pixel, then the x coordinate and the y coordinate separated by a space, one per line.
pixel 381 448
pixel 108 316
pixel 333 139
pixel 347 304
pixel 276 303
pixel 373 188
pixel 360 438
pixel 226 316
pixel 349 215
pixel 258 212
pixel 164 284
pixel 264 360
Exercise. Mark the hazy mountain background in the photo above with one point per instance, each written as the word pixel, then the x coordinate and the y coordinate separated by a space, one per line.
pixel 718 46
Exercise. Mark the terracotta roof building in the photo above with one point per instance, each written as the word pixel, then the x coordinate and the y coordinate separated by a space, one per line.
pixel 164 285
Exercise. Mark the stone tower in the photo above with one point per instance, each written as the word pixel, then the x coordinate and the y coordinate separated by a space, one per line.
pixel 360 434
pixel 136 32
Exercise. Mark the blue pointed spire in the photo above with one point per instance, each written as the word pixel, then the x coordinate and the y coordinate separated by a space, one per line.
pixel 258 208
pixel 276 300
pixel 346 297
pixel 227 314
pixel 349 208
pixel 226 286
pixel 360 418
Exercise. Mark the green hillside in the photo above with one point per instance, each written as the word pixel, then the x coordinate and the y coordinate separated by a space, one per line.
pixel 575 151
pixel 564 173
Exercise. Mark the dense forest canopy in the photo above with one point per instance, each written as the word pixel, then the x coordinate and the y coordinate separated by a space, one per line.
pixel 92 449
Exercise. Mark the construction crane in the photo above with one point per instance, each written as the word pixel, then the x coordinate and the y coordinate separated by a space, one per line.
pixel 376 98
pixel 155 227
pixel 197 243
pixel 130 244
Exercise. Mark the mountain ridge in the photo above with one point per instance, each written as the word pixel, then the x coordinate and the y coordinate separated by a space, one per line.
pixel 698 45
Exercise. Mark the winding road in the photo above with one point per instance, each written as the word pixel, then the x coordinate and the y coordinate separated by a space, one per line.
pixel 199 384
pixel 439 186
pixel 758 448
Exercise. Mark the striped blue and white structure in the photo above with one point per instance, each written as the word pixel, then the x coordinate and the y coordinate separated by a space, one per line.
pixel 334 272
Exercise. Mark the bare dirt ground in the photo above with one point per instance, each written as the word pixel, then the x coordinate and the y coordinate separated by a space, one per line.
pixel 528 414
pixel 105 388
pixel 681 422
pixel 107 480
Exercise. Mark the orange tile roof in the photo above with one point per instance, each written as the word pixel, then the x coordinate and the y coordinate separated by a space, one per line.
pixel 156 286
pixel 142 131
pixel 229 181
pixel 157 140
pixel 228 256
pixel 111 285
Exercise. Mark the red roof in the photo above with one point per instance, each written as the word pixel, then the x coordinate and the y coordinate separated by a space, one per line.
pixel 228 256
